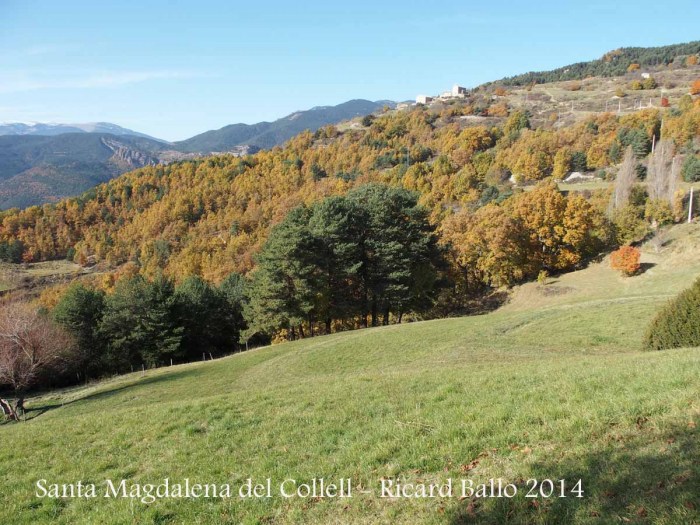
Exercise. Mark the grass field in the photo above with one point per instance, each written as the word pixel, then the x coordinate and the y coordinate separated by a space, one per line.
pixel 17 276
pixel 554 385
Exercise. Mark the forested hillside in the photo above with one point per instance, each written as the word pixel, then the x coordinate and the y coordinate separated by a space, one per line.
pixel 613 63
pixel 35 169
pixel 316 233
pixel 44 163
pixel 211 216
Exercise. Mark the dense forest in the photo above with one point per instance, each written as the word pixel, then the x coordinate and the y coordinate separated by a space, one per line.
pixel 210 217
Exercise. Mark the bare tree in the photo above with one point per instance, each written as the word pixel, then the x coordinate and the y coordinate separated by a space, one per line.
pixel 626 177
pixel 662 173
pixel 31 347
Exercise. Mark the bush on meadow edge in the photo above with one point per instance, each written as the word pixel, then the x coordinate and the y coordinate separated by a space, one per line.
pixel 678 323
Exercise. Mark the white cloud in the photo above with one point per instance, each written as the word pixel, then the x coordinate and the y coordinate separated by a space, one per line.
pixel 41 50
pixel 19 82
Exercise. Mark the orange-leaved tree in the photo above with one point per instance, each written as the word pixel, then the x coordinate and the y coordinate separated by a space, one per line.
pixel 695 88
pixel 626 260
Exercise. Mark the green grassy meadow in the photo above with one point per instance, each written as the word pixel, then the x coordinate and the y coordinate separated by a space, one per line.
pixel 553 385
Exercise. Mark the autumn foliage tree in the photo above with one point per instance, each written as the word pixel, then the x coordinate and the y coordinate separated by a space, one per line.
pixel 626 260
pixel 695 87
pixel 538 230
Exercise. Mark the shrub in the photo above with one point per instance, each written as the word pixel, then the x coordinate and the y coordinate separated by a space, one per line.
pixel 630 225
pixel 579 161
pixel 498 110
pixel 678 323
pixel 695 88
pixel 691 169
pixel 658 210
pixel 33 350
pixel 11 251
pixel 649 83
pixel 626 259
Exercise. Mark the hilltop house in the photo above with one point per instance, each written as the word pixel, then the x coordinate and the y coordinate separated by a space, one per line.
pixel 456 92
pixel 459 91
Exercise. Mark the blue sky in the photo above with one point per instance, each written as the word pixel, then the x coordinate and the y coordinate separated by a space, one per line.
pixel 173 68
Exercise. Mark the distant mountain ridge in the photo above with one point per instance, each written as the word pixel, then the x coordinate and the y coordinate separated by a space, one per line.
pixel 269 134
pixel 45 162
pixel 51 129
pixel 36 169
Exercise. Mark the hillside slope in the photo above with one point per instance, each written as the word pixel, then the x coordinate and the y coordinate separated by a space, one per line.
pixel 268 134
pixel 44 163
pixel 612 63
pixel 553 385
pixel 36 169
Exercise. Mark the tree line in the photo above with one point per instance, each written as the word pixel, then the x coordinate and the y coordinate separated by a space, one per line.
pixel 612 63
pixel 358 260
pixel 149 323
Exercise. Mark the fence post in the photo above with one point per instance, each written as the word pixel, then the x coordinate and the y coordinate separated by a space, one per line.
pixel 690 206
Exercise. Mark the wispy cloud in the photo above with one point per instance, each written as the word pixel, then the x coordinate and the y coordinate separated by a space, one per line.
pixel 41 50
pixel 19 82
pixel 23 54
pixel 27 114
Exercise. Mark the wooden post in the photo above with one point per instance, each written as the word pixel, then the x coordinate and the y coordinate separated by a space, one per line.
pixel 690 206
pixel 171 362
pixel 143 370
pixel 210 356
pixel 204 357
